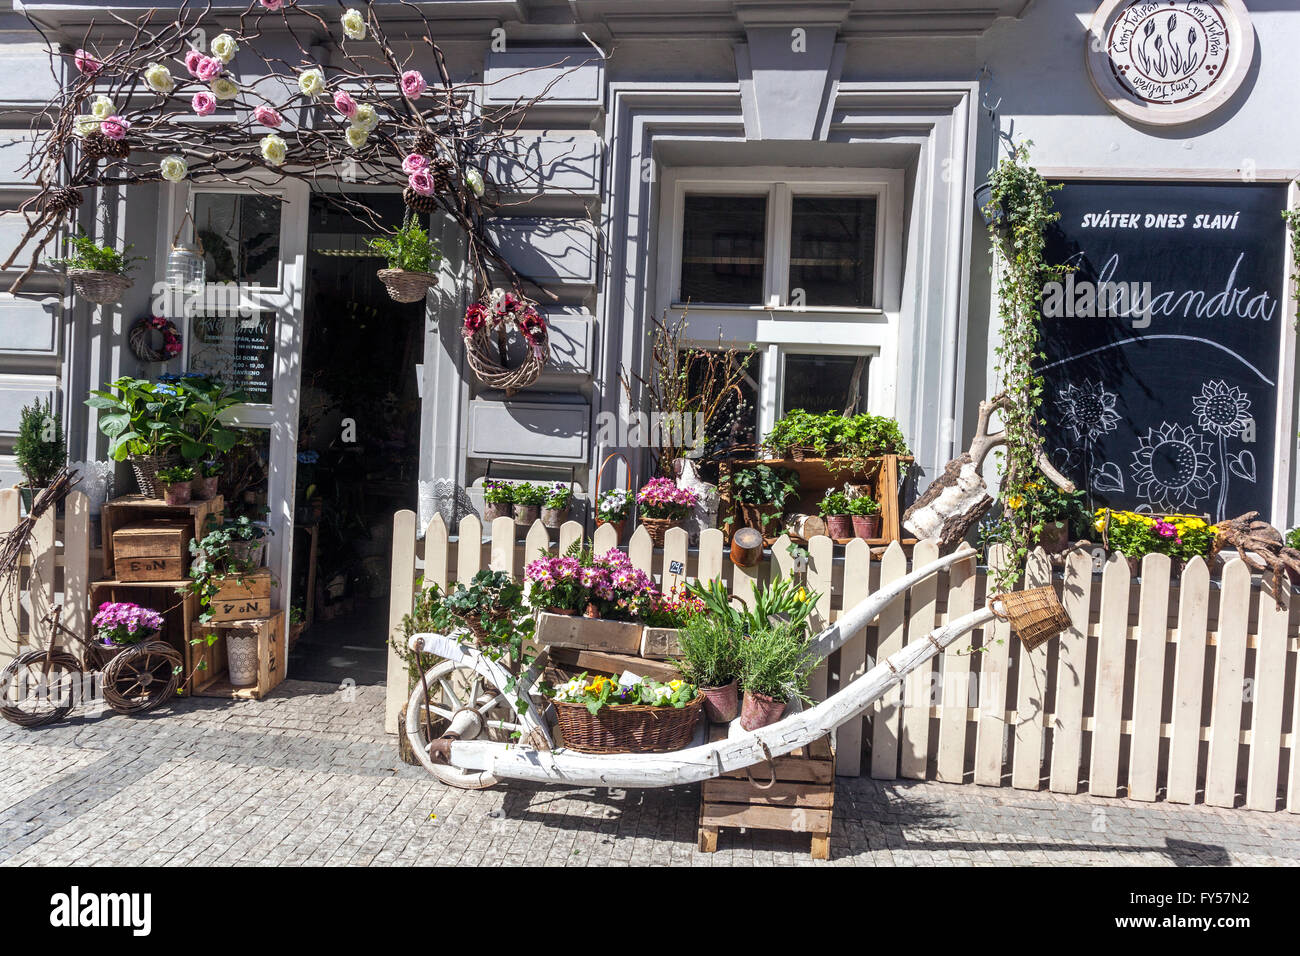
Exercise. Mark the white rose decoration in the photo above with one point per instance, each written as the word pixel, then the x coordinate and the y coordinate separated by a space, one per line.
pixel 102 108
pixel 84 124
pixel 366 117
pixel 224 48
pixel 274 149
pixel 224 88
pixel 474 180
pixel 311 82
pixel 158 78
pixel 357 136
pixel 354 25
pixel 174 168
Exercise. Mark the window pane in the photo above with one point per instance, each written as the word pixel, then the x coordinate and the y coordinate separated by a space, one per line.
pixel 833 251
pixel 722 249
pixel 241 237
pixel 238 350
pixel 825 383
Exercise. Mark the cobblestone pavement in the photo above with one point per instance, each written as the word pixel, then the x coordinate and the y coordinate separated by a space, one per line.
pixel 307 777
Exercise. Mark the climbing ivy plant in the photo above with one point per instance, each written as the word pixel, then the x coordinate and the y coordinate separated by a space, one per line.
pixel 1292 217
pixel 1021 211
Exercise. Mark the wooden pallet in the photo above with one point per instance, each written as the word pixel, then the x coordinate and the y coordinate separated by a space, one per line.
pixel 800 800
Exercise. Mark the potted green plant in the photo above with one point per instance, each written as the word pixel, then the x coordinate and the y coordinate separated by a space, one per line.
pixel 774 667
pixel 38 449
pixel 498 496
pixel 865 515
pixel 802 434
pixel 529 499
pixel 203 405
pixel 230 551
pixel 177 484
pixel 834 507
pixel 207 478
pixel 761 492
pixel 411 255
pixel 98 273
pixel 710 658
pixel 1049 511
pixel 555 509
pixel 492 607
pixel 144 424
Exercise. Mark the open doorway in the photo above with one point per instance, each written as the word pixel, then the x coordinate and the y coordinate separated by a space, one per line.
pixel 358 446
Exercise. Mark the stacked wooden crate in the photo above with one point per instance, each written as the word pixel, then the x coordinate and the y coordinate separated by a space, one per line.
pixel 271 653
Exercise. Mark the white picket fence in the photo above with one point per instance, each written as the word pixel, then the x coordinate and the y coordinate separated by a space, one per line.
pixel 1162 685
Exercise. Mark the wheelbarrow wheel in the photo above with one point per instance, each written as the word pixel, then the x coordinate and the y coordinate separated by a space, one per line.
pixel 38 688
pixel 141 678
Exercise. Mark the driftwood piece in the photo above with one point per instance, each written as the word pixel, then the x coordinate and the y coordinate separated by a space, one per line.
pixel 1261 546
pixel 805 526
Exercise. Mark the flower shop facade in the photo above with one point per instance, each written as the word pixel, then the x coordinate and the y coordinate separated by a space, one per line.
pixel 802 177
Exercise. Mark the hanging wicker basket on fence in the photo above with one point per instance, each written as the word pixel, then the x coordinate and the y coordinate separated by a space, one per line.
pixel 404 286
pixel 99 287
pixel 1035 615
pixel 631 729
pixel 484 358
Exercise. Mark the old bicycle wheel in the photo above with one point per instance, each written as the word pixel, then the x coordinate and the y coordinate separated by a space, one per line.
pixel 142 677
pixel 38 688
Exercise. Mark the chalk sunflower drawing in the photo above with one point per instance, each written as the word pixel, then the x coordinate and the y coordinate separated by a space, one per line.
pixel 1223 411
pixel 1172 467
pixel 1088 412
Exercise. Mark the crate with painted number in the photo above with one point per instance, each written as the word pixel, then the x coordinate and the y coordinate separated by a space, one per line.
pixel 264 637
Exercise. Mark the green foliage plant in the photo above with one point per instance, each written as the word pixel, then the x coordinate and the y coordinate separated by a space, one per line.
pixel 39 450
pixel 774 662
pixel 763 484
pixel 834 502
pixel 863 506
pixel 528 493
pixel 409 248
pixel 85 253
pixel 710 650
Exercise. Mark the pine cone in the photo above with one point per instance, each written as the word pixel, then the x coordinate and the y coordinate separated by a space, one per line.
pixel 417 202
pixel 441 170
pixel 62 199
pixel 99 146
pixel 426 144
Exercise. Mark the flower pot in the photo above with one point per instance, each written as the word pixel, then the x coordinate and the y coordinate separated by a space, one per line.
pixel 146 468
pixel 759 710
pixel 1055 537
pixel 866 526
pixel 241 657
pixel 177 492
pixel 204 489
pixel 495 509
pixel 764 518
pixel 249 552
pixel 526 514
pixel 591 611
pixel 721 704
pixel 554 517
pixel 562 611
pixel 839 526
pixel 99 287
pixel 404 286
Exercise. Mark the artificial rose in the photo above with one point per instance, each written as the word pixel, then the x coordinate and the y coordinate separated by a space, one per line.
pixel 414 163
pixel 87 63
pixel 204 103
pixel 357 136
pixel 267 116
pixel 354 25
pixel 159 78
pixel 474 180
pixel 421 182
pixel 273 5
pixel 413 83
pixel 209 67
pixel 192 58
pixel 102 108
pixel 345 104
pixel 174 168
pixel 224 48
pixel 366 117
pixel 114 127
pixel 311 82
pixel 274 149
pixel 85 124
pixel 224 88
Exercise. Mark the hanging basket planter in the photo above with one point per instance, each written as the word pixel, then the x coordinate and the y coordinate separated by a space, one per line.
pixel 404 286
pixel 99 287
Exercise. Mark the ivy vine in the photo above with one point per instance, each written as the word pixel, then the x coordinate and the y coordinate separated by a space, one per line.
pixel 1020 210
pixel 1292 217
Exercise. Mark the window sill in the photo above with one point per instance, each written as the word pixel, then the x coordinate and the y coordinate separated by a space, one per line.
pixel 818 310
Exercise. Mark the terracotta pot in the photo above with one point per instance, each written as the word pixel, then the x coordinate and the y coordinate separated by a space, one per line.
pixel 839 526
pixel 563 611
pixel 177 493
pixel 866 526
pixel 554 517
pixel 527 514
pixel 759 710
pixel 1055 537
pixel 763 518
pixel 721 704
pixel 493 510
pixel 591 611
pixel 204 489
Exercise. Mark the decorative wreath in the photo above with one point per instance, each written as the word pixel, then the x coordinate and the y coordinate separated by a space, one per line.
pixel 494 317
pixel 139 339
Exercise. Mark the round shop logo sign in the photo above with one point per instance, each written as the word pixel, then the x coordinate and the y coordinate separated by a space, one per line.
pixel 1170 62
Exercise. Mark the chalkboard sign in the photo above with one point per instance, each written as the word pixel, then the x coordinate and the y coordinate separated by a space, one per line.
pixel 240 350
pixel 1162 347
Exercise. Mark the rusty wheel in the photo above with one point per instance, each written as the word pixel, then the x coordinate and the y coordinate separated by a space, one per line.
pixel 141 678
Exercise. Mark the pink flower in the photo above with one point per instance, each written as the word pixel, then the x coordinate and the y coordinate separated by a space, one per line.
pixel 413 83
pixel 114 127
pixel 346 105
pixel 414 163
pixel 267 116
pixel 273 5
pixel 421 182
pixel 204 103
pixel 208 68
pixel 87 63
pixel 192 59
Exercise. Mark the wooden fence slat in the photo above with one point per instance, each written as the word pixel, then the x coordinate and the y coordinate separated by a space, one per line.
pixel 1031 692
pixel 570 532
pixel 1293 771
pixel 469 549
pixel 536 543
pixel 76 562
pixel 1189 683
pixel 955 689
pixel 1108 700
pixel 401 598
pixel 605 539
pixel 742 583
pixel 436 541
pixel 991 735
pixel 676 544
pixel 821 568
pixel 501 557
pixel 10 619
pixel 1149 678
pixel 919 686
pixel 641 549
pixel 1229 674
pixel 1071 674
pixel 710 559
pixel 853 655
pixel 1269 697
pixel 885 714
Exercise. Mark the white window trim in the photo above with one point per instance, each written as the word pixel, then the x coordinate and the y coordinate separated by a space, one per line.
pixel 776 327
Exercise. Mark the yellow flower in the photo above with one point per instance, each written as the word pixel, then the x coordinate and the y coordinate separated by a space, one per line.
pixel 1015 501
pixel 802 596
pixel 675 684
pixel 274 149
pixel 224 88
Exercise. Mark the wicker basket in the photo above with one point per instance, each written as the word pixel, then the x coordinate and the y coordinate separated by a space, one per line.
pixel 99 287
pixel 404 286
pixel 1035 615
pixel 631 729
pixel 146 468
pixel 657 528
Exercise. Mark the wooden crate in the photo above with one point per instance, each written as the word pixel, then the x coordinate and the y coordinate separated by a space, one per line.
pixel 243 598
pixel 800 801
pixel 132 509
pixel 591 634
pixel 660 643
pixel 602 662
pixel 214 679
pixel 152 550
pixel 179 613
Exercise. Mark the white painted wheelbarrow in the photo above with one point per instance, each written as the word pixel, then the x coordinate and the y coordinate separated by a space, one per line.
pixel 488 738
